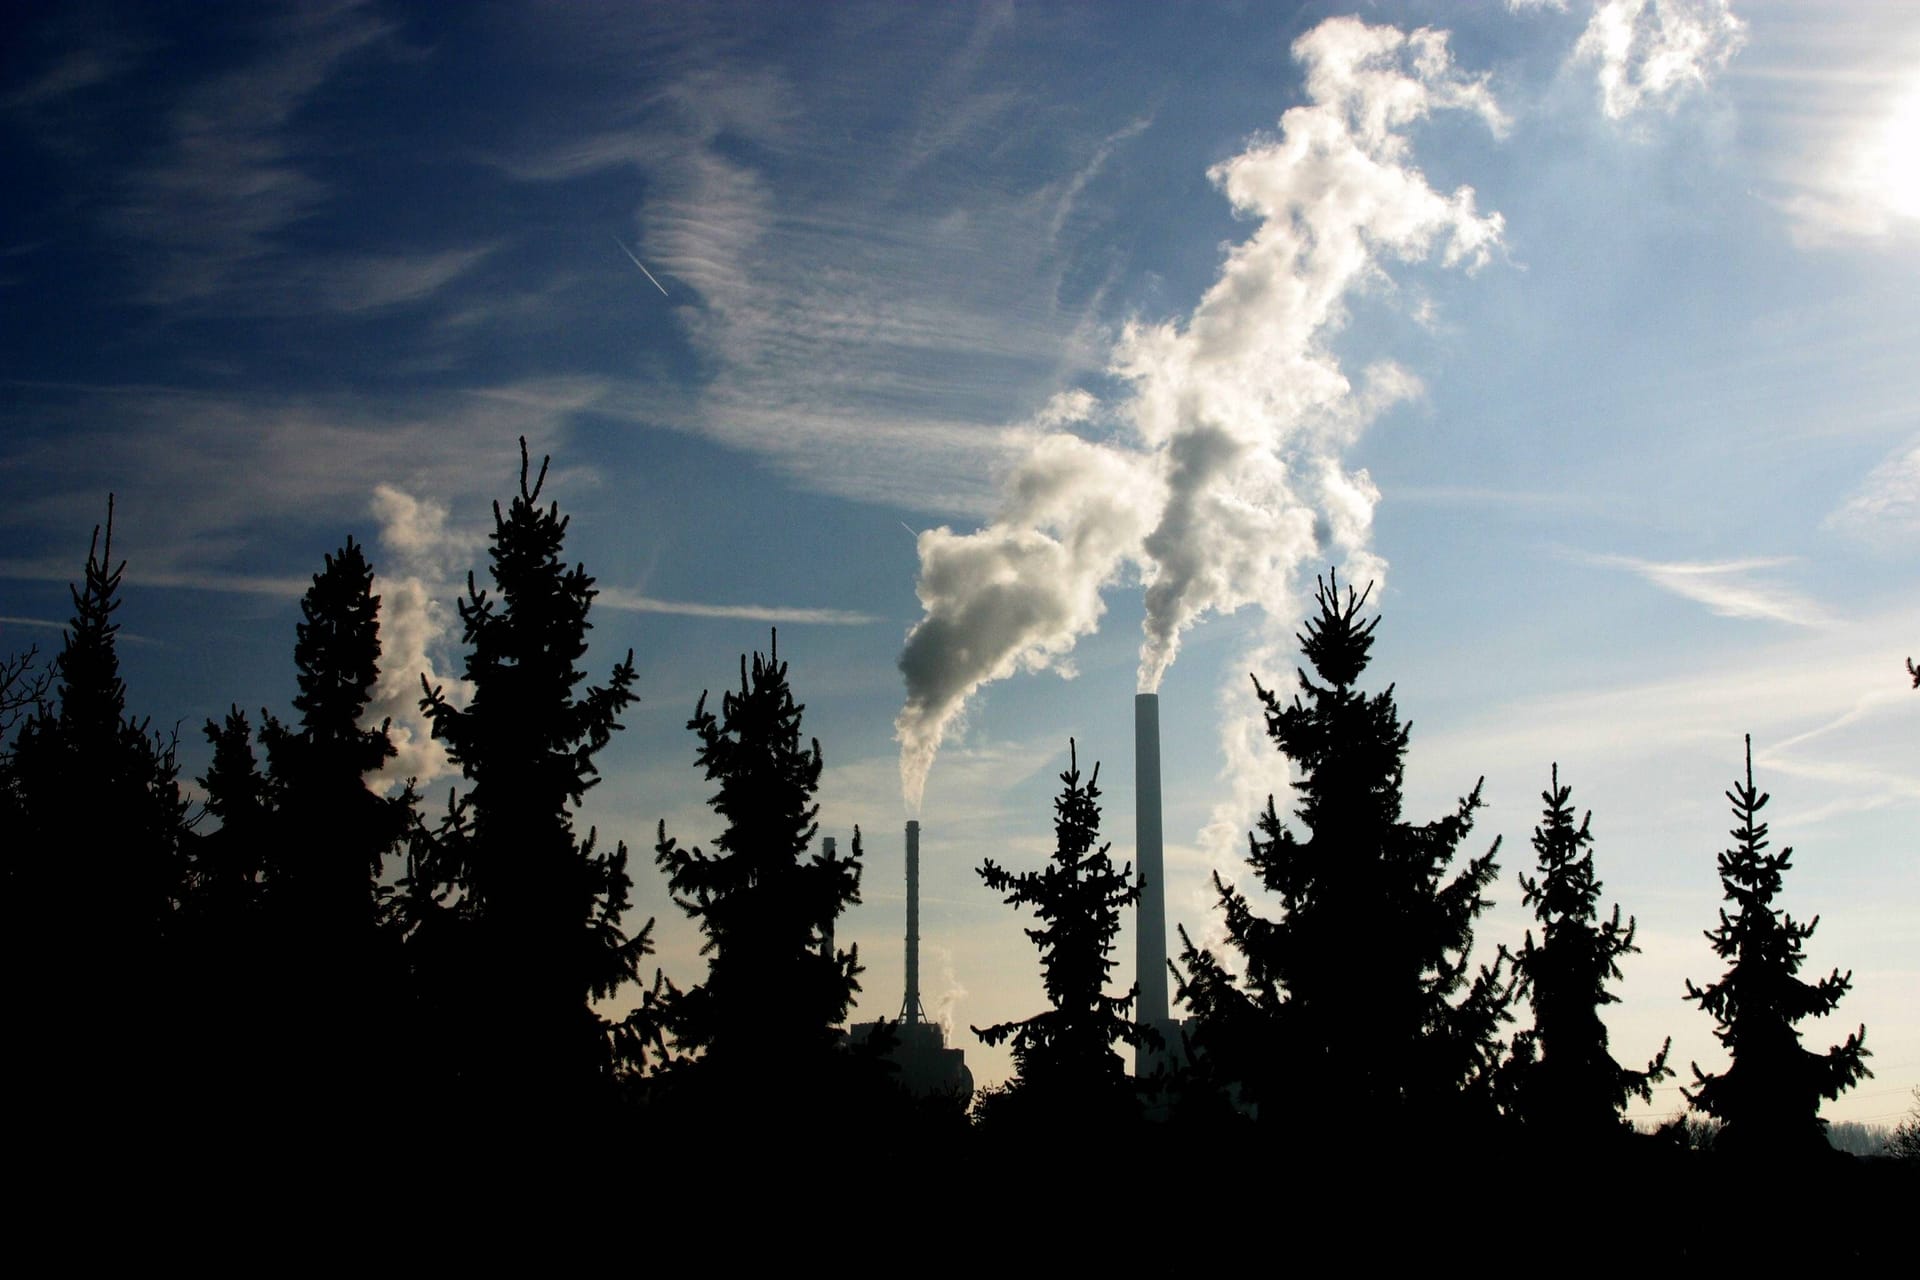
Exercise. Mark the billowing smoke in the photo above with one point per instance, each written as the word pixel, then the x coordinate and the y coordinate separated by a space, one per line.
pixel 1018 594
pixel 1232 478
pixel 419 561
pixel 1652 53
pixel 947 1004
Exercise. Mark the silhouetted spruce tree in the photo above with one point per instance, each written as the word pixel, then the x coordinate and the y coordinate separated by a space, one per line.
pixel 334 832
pixel 228 865
pixel 1566 1085
pixel 327 838
pixel 765 1023
pixel 1356 1008
pixel 537 930
pixel 1066 1068
pixel 95 868
pixel 1769 1095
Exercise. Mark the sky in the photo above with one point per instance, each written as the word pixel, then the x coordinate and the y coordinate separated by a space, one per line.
pixel 1009 359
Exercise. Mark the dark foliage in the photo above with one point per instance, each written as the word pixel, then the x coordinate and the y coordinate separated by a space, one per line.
pixel 764 1025
pixel 1769 1096
pixel 24 689
pixel 335 834
pixel 96 830
pixel 1563 1081
pixel 1064 1058
pixel 1904 1142
pixel 516 926
pixel 1358 1001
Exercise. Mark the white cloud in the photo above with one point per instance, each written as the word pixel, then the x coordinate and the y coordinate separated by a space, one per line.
pixel 1653 53
pixel 1886 507
pixel 1727 587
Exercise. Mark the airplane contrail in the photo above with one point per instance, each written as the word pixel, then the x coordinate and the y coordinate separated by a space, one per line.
pixel 643 266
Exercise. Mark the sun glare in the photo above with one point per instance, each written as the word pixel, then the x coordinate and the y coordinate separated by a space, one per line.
pixel 1898 154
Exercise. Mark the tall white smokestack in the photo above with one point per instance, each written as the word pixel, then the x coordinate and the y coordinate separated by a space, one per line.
pixel 826 932
pixel 1150 916
pixel 910 1011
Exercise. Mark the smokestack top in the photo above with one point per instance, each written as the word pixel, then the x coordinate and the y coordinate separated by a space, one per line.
pixel 913 825
pixel 1150 913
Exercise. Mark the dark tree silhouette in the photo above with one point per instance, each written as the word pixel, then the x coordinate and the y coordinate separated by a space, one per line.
pixel 1904 1142
pixel 334 833
pixel 1065 1063
pixel 23 689
pixel 1358 1002
pixel 323 838
pixel 1565 1083
pixel 537 930
pixel 1769 1096
pixel 229 862
pixel 103 820
pixel 1914 672
pixel 765 1021
pixel 95 867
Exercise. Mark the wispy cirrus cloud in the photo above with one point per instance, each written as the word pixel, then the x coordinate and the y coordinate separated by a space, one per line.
pixel 201 475
pixel 633 602
pixel 229 175
pixel 1886 506
pixel 1729 588
pixel 871 318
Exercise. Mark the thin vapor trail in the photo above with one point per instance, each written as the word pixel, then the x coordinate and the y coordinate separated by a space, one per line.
pixel 643 267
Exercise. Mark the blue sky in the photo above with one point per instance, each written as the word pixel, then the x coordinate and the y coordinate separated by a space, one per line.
pixel 1072 340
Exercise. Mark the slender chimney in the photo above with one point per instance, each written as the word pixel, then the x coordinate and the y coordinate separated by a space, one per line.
pixel 910 1011
pixel 826 931
pixel 1150 917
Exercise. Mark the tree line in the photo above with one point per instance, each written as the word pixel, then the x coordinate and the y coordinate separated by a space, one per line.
pixel 312 950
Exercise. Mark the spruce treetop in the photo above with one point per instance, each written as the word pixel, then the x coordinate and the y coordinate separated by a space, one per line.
pixel 1770 1094
pixel 91 694
pixel 539 914
pixel 1078 897
pixel 1576 1087
pixel 767 903
pixel 1361 989
pixel 524 731
pixel 337 652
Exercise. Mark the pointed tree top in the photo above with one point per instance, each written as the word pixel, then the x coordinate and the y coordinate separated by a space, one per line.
pixel 532 495
pixel 1336 643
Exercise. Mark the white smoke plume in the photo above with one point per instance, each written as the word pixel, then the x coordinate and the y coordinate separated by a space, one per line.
pixel 1653 52
pixel 1018 594
pixel 420 561
pixel 1245 398
pixel 1233 476
pixel 947 1004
